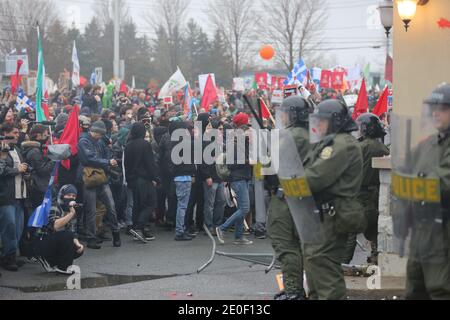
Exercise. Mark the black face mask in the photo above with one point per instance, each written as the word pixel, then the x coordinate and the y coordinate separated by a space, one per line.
pixel 66 204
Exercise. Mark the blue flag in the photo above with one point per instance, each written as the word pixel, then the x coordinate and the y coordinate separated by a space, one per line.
pixel 40 216
pixel 298 74
pixel 23 102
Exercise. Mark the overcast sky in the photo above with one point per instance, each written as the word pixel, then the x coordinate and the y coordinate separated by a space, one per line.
pixel 351 24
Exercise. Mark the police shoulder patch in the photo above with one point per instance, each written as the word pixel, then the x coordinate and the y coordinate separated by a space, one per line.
pixel 326 153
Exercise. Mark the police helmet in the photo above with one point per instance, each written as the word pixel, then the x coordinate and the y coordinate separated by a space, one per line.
pixel 440 96
pixel 370 126
pixel 298 109
pixel 336 112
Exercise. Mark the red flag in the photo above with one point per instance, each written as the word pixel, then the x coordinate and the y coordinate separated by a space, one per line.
pixel 261 79
pixel 325 79
pixel 209 95
pixel 281 82
pixel 382 104
pixel 15 79
pixel 123 88
pixel 362 104
pixel 45 105
pixel 389 69
pixel 83 81
pixel 71 134
pixel 337 80
pixel 265 110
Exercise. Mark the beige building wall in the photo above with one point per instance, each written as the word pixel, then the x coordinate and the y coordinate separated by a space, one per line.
pixel 421 56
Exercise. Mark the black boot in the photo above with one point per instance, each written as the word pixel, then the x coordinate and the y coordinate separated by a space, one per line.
pixel 93 244
pixel 116 239
pixel 103 236
pixel 284 296
pixel 9 263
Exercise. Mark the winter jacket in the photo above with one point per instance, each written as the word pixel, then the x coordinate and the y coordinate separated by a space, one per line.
pixel 239 172
pixel 90 102
pixel 41 165
pixel 164 155
pixel 183 169
pixel 90 155
pixel 7 179
pixel 208 171
pixel 140 162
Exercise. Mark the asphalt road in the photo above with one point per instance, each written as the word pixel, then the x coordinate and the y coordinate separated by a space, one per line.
pixel 162 270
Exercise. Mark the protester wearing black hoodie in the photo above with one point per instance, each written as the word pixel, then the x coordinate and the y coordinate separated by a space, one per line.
pixel 183 174
pixel 196 200
pixel 141 175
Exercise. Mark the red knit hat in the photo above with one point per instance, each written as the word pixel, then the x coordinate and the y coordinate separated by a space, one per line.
pixel 241 119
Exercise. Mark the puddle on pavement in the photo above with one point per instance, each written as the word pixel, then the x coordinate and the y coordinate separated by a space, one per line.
pixel 104 280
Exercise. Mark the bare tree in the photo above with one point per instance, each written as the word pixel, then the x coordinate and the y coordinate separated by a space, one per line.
pixel 169 18
pixel 104 11
pixel 292 27
pixel 236 21
pixel 18 19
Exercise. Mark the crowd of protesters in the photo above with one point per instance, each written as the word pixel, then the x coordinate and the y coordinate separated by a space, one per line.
pixel 123 180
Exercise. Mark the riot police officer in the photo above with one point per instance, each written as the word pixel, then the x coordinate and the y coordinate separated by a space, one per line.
pixel 370 133
pixel 292 115
pixel 428 268
pixel 333 171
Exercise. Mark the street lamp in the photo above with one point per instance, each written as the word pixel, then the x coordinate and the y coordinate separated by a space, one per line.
pixel 387 15
pixel 407 10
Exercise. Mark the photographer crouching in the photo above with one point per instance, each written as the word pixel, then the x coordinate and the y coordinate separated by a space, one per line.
pixel 56 246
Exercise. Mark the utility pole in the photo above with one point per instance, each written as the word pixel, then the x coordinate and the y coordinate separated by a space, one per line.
pixel 116 39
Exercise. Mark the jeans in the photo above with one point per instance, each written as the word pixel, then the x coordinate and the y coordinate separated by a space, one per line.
pixel 129 208
pixel 214 204
pixel 183 190
pixel 11 227
pixel 103 193
pixel 243 201
pixel 261 205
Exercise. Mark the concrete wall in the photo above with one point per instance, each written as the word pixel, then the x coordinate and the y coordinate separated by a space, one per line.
pixel 421 56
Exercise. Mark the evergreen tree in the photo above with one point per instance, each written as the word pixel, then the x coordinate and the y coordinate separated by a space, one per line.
pixel 56 51
pixel 89 48
pixel 221 61
pixel 196 47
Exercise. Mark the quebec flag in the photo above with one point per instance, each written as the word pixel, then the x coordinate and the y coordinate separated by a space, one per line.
pixel 40 216
pixel 298 75
pixel 23 101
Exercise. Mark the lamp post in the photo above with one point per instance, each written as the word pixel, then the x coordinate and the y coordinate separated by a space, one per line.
pixel 386 9
pixel 407 10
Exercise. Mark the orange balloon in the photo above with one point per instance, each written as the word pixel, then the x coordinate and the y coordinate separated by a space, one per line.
pixel 267 52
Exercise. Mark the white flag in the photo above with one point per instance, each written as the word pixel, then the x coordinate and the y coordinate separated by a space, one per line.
pixel 176 82
pixel 76 67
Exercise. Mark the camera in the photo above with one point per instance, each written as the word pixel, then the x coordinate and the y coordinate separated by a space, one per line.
pixel 75 205
pixel 29 168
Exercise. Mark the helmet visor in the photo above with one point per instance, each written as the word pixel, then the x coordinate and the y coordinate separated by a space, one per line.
pixel 435 117
pixel 319 128
pixel 282 118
